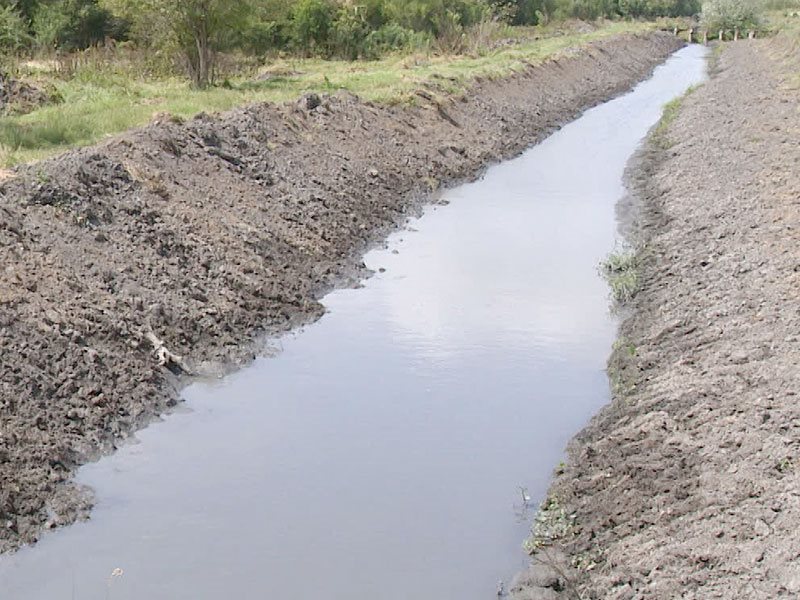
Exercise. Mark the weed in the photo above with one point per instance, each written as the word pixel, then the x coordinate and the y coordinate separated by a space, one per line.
pixel 621 271
pixel 552 523
pixel 671 110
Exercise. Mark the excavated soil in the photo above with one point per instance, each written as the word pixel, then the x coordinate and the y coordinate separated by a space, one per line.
pixel 688 484
pixel 210 234
pixel 17 97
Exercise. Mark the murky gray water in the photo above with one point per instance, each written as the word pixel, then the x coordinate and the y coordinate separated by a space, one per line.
pixel 378 456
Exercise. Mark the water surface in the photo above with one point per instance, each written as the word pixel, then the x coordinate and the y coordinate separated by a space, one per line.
pixel 378 455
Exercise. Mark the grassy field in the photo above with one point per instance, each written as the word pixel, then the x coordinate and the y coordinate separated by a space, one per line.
pixel 99 99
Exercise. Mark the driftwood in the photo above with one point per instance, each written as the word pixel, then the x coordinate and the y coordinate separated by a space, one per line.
pixel 165 357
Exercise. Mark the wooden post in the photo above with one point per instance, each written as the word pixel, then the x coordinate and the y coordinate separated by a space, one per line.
pixel 691 34
pixel 751 35
pixel 675 31
pixel 705 37
pixel 736 35
pixel 721 33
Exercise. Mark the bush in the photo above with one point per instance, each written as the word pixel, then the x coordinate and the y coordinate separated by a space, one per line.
pixel 658 8
pixel 13 30
pixel 262 37
pixel 730 14
pixel 437 16
pixel 348 35
pixel 392 37
pixel 76 24
pixel 312 23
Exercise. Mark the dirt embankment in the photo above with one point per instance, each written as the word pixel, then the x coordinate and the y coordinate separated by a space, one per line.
pixel 688 484
pixel 210 233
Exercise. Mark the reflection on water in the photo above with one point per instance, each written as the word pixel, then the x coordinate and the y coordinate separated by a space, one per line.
pixel 379 455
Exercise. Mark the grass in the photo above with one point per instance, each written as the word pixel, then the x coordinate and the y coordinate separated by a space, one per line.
pixel 786 46
pixel 621 271
pixel 106 99
pixel 671 110
pixel 551 524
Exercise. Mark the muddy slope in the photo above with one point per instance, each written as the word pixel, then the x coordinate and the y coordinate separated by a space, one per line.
pixel 207 234
pixel 688 485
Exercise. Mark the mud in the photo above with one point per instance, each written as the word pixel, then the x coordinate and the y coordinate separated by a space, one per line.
pixel 18 97
pixel 686 486
pixel 208 235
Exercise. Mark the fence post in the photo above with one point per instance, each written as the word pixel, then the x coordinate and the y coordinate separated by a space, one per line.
pixel 721 33
pixel 705 37
pixel 691 34
pixel 675 31
pixel 736 34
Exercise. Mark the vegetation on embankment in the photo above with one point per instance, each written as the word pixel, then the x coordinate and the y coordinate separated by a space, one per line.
pixel 101 97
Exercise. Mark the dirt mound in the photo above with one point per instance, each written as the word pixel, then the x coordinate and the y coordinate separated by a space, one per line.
pixel 687 485
pixel 17 97
pixel 195 239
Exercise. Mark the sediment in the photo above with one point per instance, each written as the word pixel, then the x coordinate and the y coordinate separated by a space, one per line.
pixel 688 484
pixel 171 251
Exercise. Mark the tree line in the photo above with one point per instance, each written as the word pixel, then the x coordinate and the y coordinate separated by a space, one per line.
pixel 198 29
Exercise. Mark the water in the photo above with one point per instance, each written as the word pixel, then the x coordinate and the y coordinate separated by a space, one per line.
pixel 379 454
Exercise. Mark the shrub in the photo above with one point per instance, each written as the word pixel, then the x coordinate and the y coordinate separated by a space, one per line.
pixel 312 23
pixel 75 24
pixel 392 37
pixel 621 271
pixel 348 35
pixel 730 14
pixel 13 30
pixel 261 37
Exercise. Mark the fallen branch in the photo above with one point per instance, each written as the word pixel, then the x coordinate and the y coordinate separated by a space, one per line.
pixel 165 357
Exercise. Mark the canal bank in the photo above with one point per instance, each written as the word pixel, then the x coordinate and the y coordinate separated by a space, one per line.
pixel 194 239
pixel 686 485
pixel 392 440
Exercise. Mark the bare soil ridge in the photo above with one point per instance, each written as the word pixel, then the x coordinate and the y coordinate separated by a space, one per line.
pixel 197 238
pixel 687 485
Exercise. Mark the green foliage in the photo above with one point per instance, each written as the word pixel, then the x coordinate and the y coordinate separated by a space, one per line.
pixel 437 16
pixel 658 8
pixel 392 37
pixel 313 22
pixel 13 30
pixel 349 34
pixel 198 29
pixel 621 270
pixel 75 24
pixel 730 14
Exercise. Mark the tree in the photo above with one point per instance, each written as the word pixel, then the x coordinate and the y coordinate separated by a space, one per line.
pixel 199 28
pixel 13 30
pixel 730 14
pixel 74 24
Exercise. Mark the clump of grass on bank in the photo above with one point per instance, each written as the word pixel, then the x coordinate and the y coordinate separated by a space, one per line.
pixel 552 523
pixel 621 271
pixel 672 108
pixel 104 100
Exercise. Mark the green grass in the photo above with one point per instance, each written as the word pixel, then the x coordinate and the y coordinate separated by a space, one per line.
pixel 621 271
pixel 98 102
pixel 672 108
